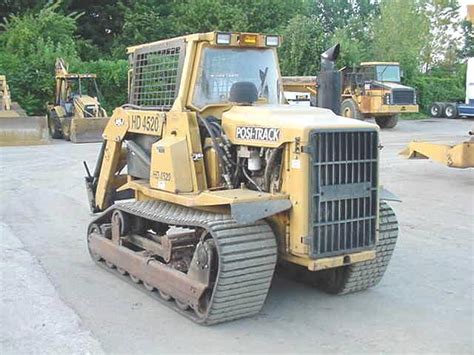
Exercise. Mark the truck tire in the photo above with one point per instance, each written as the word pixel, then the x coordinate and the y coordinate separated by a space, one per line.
pixel 360 276
pixel 387 121
pixel 349 108
pixel 54 125
pixel 451 110
pixel 436 109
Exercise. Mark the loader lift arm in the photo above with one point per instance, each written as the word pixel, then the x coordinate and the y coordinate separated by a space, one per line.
pixel 103 184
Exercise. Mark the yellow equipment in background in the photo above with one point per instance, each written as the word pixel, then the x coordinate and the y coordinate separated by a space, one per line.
pixel 455 156
pixel 371 90
pixel 76 113
pixel 16 127
pixel 206 143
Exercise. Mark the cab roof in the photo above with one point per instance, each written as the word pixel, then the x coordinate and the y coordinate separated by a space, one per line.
pixel 366 64
pixel 75 76
pixel 236 40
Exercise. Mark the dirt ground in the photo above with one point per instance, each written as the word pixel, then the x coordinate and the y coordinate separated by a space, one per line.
pixel 54 299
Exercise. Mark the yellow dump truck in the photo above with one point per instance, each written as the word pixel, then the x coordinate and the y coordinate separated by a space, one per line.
pixel 371 90
pixel 374 90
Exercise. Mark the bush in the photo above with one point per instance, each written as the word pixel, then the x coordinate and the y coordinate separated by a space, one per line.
pixel 303 42
pixel 29 47
pixel 439 86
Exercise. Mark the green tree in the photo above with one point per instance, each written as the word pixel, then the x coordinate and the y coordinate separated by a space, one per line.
pixel 354 39
pixel 468 39
pixel 144 21
pixel 444 38
pixel 29 46
pixel 269 16
pixel 100 23
pixel 209 15
pixel 400 34
pixel 19 7
pixel 304 41
pixel 336 14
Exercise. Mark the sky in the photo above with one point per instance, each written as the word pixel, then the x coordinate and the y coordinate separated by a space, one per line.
pixel 463 8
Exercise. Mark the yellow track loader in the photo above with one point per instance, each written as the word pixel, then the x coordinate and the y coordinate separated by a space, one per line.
pixel 16 127
pixel 76 113
pixel 206 180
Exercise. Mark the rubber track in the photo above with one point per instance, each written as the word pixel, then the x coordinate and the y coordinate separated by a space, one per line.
pixel 361 276
pixel 247 257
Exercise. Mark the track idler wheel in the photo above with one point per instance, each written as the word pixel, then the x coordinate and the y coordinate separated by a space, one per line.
pixel 164 295
pixel 122 271
pixel 135 279
pixel 94 228
pixel 123 221
pixel 149 287
pixel 181 305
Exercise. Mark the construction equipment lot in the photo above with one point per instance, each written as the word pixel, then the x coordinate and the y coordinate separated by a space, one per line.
pixel 55 300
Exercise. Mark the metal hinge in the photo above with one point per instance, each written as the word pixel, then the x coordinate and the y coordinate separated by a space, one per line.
pixel 305 240
pixel 308 149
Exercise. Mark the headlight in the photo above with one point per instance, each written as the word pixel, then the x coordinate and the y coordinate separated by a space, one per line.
pixel 272 41
pixel 414 97
pixel 387 99
pixel 223 38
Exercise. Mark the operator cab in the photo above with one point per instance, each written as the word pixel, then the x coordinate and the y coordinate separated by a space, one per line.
pixel 221 74
pixel 380 71
pixel 74 86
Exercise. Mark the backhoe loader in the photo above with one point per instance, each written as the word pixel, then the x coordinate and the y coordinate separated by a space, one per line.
pixel 206 180
pixel 76 113
pixel 16 127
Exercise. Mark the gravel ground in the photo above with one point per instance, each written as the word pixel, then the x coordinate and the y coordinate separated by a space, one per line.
pixel 54 299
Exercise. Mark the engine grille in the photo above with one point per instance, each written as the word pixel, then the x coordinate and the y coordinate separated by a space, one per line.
pixel 343 208
pixel 403 97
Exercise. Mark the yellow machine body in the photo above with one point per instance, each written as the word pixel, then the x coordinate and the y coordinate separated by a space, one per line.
pixel 177 178
pixel 218 140
pixel 16 127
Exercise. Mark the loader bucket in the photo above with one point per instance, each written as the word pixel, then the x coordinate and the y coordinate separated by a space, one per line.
pixel 87 130
pixel 23 130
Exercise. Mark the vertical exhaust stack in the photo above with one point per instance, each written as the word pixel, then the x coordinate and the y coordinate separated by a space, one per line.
pixel 329 81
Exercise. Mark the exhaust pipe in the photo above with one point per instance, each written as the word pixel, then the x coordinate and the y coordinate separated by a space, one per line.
pixel 329 81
